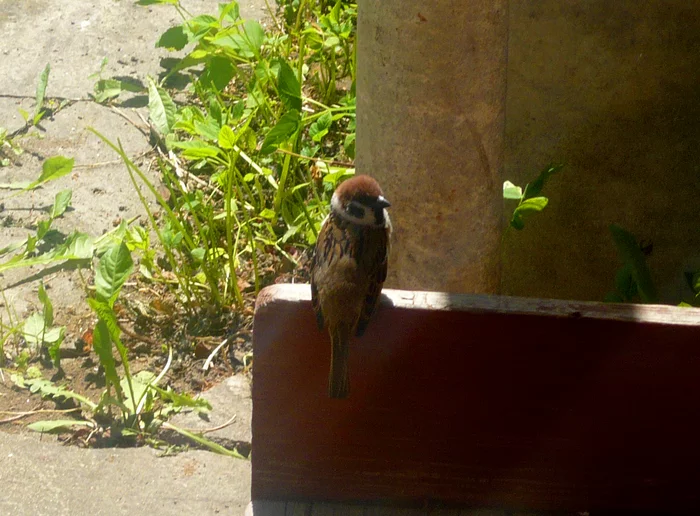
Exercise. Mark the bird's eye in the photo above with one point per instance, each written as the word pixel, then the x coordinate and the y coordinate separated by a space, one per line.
pixel 356 210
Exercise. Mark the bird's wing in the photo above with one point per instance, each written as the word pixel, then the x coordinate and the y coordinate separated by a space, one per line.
pixel 315 301
pixel 377 267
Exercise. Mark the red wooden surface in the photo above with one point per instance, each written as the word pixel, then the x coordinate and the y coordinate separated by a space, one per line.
pixel 557 407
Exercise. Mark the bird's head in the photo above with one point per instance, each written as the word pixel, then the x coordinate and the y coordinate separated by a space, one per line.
pixel 360 200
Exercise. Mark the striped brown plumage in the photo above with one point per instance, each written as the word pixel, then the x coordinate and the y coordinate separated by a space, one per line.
pixel 347 273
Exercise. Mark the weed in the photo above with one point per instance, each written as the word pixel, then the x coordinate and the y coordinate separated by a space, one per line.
pixel 529 198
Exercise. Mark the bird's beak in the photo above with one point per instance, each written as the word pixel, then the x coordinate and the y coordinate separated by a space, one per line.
pixel 382 202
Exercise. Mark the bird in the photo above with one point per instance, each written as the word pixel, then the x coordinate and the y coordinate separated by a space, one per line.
pixel 348 269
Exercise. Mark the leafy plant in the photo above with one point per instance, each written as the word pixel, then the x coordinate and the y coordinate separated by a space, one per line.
pixel 248 169
pixel 40 334
pixel 529 199
pixel 633 281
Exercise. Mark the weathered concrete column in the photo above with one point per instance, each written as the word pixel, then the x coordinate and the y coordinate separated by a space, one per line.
pixel 430 115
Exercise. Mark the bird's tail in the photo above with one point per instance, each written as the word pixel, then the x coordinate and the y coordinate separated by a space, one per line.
pixel 339 378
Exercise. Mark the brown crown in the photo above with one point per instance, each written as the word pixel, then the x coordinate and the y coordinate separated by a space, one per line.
pixel 358 186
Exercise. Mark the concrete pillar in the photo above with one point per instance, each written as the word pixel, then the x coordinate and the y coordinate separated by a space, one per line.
pixel 431 86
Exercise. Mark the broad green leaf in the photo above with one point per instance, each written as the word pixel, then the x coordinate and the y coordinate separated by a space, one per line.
pixel 207 129
pixel 61 203
pixel 227 138
pixel 173 39
pixel 246 42
pixel 229 12
pixel 106 89
pixel 218 72
pixel 140 383
pixel 79 246
pixel 112 271
pixel 53 168
pixel 33 329
pixel 42 227
pixel 288 86
pixel 285 128
pixel 55 334
pixel 633 257
pixel 161 108
pixel 198 254
pixel 526 208
pixel 41 90
pixel 254 35
pixel 511 191
pixel 200 26
pixel 269 214
pixel 320 127
pixel 59 425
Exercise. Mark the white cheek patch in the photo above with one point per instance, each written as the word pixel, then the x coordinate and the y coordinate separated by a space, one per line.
pixel 367 218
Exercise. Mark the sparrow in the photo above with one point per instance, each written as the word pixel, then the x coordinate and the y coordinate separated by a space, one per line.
pixel 348 269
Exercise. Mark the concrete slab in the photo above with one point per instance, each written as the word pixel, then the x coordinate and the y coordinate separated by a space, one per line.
pixel 42 478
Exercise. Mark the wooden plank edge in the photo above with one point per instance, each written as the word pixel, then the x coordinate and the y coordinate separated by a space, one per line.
pixel 483 303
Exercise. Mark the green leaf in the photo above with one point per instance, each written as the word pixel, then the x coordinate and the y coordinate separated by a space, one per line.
pixel 41 90
pixel 61 203
pixel 320 127
pixel 33 329
pixel 285 128
pixel 161 108
pixel 254 35
pixel 218 72
pixel 106 89
pixel 102 344
pixel 511 191
pixel 196 149
pixel 58 425
pixel 535 188
pixel 54 338
pixel 112 271
pixel 106 315
pixel 140 383
pixel 246 42
pixel 48 307
pixel 229 12
pixel 633 257
pixel 525 208
pixel 173 39
pixel 207 129
pixel 288 86
pixel 227 138
pixel 53 168
pixel 349 145
pixel 269 214
pixel 46 388
pixel 42 227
